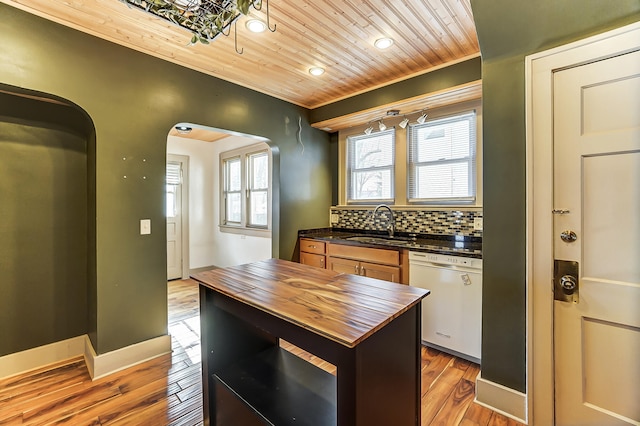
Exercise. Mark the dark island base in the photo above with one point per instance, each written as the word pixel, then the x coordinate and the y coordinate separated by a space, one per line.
pixel 275 388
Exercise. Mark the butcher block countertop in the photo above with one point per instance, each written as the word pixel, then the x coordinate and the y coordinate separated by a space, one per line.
pixel 341 307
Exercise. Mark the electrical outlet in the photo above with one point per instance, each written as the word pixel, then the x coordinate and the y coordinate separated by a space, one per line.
pixel 334 218
pixel 477 224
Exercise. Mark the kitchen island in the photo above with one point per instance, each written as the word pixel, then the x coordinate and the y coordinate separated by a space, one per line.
pixel 369 329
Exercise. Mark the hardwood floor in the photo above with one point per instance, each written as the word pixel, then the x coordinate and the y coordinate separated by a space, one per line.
pixel 167 390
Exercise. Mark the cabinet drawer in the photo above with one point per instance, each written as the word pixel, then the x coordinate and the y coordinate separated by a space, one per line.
pixel 388 257
pixel 312 246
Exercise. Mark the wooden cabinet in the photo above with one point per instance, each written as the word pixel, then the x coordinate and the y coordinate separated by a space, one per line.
pixel 384 264
pixel 371 270
pixel 312 253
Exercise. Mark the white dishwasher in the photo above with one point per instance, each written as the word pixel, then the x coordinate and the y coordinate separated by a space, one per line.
pixel 452 313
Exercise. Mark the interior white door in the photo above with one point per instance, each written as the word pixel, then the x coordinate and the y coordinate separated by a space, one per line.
pixel 597 196
pixel 174 220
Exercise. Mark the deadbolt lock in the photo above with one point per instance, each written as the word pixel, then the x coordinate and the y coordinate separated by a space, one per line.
pixel 568 236
pixel 568 284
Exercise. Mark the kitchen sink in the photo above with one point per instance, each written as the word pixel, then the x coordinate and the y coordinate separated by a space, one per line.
pixel 377 240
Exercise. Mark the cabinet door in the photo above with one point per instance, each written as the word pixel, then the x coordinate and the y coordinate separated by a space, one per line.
pixel 381 272
pixel 346 266
pixel 317 260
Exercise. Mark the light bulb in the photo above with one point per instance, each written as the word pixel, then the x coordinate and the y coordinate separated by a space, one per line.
pixel 256 26
pixel 383 43
pixel 316 71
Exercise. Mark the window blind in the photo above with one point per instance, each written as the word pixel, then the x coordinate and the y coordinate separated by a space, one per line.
pixel 370 167
pixel 442 160
pixel 174 173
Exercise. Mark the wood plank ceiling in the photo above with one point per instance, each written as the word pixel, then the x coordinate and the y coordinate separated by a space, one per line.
pixel 337 35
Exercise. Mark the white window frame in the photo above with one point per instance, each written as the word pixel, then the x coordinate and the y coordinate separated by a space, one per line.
pixel 351 170
pixel 470 160
pixel 244 226
pixel 401 167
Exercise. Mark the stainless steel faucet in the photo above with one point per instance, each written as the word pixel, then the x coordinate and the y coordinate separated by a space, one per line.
pixel 391 223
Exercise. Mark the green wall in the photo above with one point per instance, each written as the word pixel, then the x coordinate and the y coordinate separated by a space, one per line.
pixel 43 255
pixel 133 100
pixel 509 30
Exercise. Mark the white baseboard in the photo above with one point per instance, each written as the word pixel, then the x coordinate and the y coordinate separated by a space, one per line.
pixel 502 399
pixel 111 362
pixel 30 359
pixel 98 365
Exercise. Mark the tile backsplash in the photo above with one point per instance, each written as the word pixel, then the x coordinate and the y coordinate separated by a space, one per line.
pixel 439 222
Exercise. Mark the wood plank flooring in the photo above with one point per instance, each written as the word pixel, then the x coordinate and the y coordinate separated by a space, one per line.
pixel 167 390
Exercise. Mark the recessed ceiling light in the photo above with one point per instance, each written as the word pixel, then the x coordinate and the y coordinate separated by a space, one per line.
pixel 183 129
pixel 383 43
pixel 316 71
pixel 256 26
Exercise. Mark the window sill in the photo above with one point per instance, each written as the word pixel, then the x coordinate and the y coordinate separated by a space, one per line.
pixel 252 232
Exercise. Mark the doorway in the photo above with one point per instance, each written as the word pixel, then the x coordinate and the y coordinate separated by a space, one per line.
pixel 211 244
pixel 583 138
pixel 177 212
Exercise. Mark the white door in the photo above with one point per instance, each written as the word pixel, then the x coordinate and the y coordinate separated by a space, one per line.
pixel 174 220
pixel 597 184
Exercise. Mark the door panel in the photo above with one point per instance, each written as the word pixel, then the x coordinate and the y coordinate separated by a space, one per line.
pixel 597 184
pixel 381 272
pixel 174 221
pixel 345 266
pixel 311 259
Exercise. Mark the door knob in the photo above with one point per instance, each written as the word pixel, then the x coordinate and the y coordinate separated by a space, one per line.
pixel 566 286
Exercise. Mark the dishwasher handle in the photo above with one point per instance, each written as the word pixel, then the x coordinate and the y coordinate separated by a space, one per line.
pixel 459 268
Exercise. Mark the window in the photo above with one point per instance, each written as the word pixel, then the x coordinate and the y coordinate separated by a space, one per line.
pixel 174 178
pixel 442 160
pixel 370 167
pixel 245 199
pixel 258 189
pixel 233 191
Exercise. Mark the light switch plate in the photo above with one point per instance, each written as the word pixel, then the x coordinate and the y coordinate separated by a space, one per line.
pixel 477 224
pixel 145 226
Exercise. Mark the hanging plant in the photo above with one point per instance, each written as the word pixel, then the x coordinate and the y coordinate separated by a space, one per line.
pixel 206 19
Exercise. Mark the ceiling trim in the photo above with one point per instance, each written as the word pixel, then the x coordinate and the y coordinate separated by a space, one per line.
pixel 462 93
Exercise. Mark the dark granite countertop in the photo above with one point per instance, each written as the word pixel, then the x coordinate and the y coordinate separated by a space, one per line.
pixel 443 244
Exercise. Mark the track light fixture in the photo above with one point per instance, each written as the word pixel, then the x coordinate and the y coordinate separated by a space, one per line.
pixel 369 129
pixel 394 113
